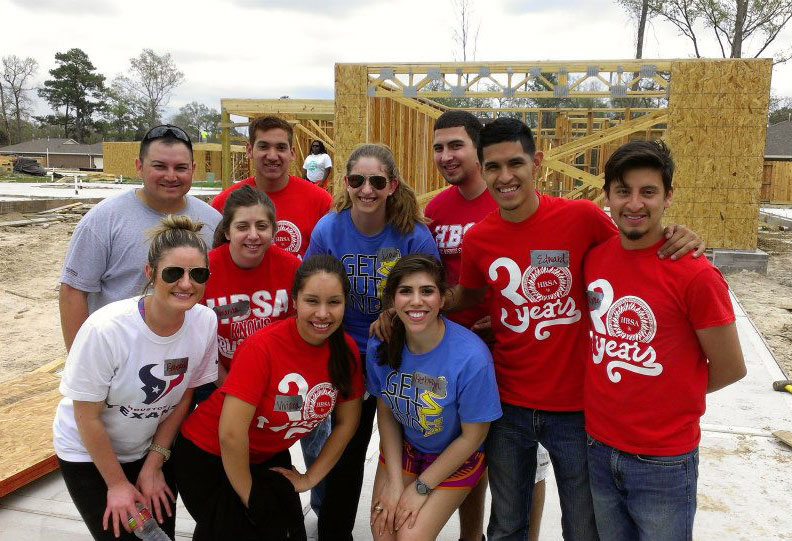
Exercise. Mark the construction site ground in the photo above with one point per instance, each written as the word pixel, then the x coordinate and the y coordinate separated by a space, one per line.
pixel 742 494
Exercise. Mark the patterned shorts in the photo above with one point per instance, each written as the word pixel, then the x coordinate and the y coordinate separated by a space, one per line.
pixel 414 462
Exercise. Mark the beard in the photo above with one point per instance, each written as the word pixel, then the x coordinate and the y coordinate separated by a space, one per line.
pixel 634 235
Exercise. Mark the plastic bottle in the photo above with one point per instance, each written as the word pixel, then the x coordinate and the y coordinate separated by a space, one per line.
pixel 145 527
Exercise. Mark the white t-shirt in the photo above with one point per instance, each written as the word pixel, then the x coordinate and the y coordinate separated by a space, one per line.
pixel 139 375
pixel 315 166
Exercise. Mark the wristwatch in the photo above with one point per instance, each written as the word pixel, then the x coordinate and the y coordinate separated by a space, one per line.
pixel 421 487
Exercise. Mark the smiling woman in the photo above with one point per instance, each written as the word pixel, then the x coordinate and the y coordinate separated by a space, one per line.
pixel 128 385
pixel 251 277
pixel 233 464
pixel 376 221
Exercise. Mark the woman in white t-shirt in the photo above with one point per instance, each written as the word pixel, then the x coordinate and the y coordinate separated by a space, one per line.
pixel 317 165
pixel 128 384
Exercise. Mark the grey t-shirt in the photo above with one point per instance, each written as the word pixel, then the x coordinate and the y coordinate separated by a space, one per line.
pixel 110 246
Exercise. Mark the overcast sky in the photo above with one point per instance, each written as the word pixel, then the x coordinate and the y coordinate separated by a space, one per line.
pixel 268 49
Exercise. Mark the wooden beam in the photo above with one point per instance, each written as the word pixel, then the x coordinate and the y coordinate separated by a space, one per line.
pixel 572 66
pixel 607 135
pixel 574 172
pixel 287 106
pixel 329 144
pixel 326 139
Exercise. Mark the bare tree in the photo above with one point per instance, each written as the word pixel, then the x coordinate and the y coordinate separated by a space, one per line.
pixel 465 35
pixel 16 72
pixel 153 79
pixel 638 9
pixel 734 23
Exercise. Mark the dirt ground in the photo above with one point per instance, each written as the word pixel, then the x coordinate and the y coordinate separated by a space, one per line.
pixel 31 258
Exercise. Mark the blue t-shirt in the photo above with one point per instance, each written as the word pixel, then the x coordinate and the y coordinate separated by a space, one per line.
pixel 368 261
pixel 433 393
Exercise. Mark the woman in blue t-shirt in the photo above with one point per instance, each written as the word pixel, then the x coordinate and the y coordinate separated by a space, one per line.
pixel 376 220
pixel 436 390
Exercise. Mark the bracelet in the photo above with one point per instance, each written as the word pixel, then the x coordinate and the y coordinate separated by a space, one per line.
pixel 161 450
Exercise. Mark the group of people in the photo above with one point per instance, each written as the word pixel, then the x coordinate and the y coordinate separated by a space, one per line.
pixel 192 370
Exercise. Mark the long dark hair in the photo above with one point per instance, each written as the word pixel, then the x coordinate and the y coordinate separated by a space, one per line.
pixel 246 196
pixel 341 360
pixel 390 352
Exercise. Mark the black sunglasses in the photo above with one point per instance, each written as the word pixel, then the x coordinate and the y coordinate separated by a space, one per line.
pixel 378 182
pixel 199 275
pixel 166 130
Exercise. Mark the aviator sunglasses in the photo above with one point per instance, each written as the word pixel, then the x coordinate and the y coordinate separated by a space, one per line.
pixel 199 275
pixel 167 130
pixel 378 182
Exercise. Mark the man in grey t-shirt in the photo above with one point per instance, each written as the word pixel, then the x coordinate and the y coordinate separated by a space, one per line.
pixel 109 247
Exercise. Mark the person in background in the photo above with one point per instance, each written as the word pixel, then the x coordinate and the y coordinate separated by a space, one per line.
pixel 251 277
pixel 376 221
pixel 298 203
pixel 663 336
pixel 318 166
pixel 128 384
pixel 102 263
pixel 234 468
pixel 436 395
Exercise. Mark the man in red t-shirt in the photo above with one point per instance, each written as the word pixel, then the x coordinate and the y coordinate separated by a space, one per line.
pixel 662 338
pixel 298 203
pixel 451 213
pixel 529 256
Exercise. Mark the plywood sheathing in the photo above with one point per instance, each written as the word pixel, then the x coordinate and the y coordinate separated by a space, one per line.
pixel 27 407
pixel 119 158
pixel 351 115
pixel 716 131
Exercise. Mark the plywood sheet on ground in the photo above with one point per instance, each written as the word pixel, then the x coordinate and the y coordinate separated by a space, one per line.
pixel 27 407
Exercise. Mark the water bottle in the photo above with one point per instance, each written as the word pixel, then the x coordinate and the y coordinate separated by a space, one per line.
pixel 145 527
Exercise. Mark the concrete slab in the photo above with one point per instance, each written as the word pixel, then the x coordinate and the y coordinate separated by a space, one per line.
pixel 94 190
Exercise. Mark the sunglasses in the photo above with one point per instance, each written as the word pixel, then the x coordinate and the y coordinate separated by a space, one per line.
pixel 378 182
pixel 166 130
pixel 199 275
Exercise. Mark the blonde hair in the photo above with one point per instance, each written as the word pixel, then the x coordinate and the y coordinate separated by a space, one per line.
pixel 401 208
pixel 174 231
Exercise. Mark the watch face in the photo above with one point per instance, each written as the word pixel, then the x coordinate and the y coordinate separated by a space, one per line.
pixel 421 488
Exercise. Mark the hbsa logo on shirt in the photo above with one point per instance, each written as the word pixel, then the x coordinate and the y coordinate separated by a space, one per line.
pixel 288 236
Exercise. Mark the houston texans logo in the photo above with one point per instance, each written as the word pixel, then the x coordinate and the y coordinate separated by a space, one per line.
pixel 154 387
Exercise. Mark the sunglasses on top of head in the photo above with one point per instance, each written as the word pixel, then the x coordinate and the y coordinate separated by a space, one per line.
pixel 199 275
pixel 166 130
pixel 378 182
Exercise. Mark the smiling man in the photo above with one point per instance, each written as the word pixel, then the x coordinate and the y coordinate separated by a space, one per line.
pixel 298 203
pixel 529 256
pixel 104 262
pixel 663 335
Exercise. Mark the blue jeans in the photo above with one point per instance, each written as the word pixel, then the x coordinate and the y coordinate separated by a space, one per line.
pixel 643 497
pixel 511 457
pixel 312 444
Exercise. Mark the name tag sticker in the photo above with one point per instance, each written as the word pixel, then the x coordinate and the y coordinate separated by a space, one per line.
pixel 236 309
pixel 435 385
pixel 594 299
pixel 287 402
pixel 174 367
pixel 549 258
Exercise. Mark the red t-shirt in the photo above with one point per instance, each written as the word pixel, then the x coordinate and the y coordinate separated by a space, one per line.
pixel 253 298
pixel 534 272
pixel 298 207
pixel 645 387
pixel 287 379
pixel 451 216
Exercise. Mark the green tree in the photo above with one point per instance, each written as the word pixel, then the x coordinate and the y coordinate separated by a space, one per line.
pixel 76 89
pixel 195 118
pixel 780 109
pixel 152 79
pixel 121 119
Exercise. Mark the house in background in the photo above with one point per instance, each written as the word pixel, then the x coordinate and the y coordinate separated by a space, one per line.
pixel 61 153
pixel 777 175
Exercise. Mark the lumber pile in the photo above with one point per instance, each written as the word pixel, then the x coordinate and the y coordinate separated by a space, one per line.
pixel 70 212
